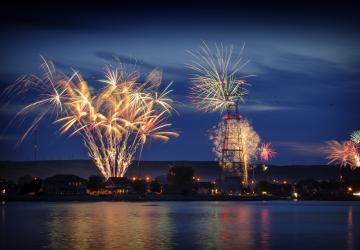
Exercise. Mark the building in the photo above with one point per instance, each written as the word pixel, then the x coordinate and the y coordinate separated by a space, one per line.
pixel 65 185
pixel 115 186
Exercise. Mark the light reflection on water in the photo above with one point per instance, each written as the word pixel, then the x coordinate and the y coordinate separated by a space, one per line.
pixel 179 225
pixel 350 229
pixel 264 228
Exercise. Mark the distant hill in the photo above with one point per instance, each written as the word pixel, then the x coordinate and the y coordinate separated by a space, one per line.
pixel 207 170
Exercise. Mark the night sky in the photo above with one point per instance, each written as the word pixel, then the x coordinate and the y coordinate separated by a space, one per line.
pixel 306 58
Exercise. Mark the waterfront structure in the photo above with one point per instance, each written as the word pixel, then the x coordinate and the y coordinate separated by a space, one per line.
pixel 65 185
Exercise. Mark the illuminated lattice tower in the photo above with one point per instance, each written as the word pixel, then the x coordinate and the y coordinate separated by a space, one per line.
pixel 232 161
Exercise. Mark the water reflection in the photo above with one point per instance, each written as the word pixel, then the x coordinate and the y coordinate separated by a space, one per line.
pixel 109 226
pixel 3 213
pixel 180 225
pixel 2 229
pixel 350 229
pixel 264 229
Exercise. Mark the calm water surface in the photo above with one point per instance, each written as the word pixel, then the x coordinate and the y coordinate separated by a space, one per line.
pixel 180 225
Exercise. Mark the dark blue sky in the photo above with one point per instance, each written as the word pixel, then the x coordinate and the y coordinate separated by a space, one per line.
pixel 306 58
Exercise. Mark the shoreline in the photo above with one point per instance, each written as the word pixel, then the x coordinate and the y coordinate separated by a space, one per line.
pixel 137 198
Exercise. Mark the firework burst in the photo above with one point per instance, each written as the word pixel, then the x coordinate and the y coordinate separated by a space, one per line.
pixel 238 138
pixel 344 153
pixel 114 122
pixel 355 136
pixel 267 152
pixel 216 85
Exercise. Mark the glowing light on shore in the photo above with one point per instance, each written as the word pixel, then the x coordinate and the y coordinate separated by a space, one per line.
pixel 344 153
pixel 356 194
pixel 216 85
pixel 114 122
pixel 267 152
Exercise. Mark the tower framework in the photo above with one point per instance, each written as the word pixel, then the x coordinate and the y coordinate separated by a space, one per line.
pixel 232 155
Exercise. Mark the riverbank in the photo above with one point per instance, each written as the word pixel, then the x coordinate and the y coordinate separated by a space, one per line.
pixel 137 198
pixel 134 198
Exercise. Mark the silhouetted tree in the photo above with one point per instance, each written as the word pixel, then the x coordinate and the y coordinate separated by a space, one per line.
pixel 262 186
pixel 24 179
pixel 95 182
pixel 140 186
pixel 28 184
pixel 182 179
pixel 155 187
pixel 351 177
pixel 33 186
pixel 308 188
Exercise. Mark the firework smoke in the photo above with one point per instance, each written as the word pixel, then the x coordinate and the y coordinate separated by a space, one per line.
pixel 114 122
pixel 241 141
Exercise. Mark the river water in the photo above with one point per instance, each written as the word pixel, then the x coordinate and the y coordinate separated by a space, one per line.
pixel 180 225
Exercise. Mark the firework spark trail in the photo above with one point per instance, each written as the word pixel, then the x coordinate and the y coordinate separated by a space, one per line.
pixel 216 85
pixel 345 153
pixel 114 122
pixel 244 153
pixel 267 152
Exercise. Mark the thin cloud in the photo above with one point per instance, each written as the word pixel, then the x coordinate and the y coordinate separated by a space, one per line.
pixel 309 65
pixel 189 108
pixel 7 138
pixel 302 148
pixel 263 108
pixel 113 57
